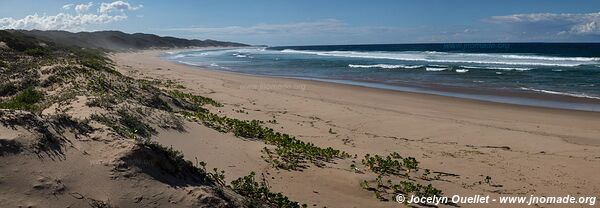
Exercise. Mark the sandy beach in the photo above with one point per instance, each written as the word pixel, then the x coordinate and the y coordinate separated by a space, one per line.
pixel 525 150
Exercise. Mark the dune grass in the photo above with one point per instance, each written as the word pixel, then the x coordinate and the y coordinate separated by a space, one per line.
pixel 25 100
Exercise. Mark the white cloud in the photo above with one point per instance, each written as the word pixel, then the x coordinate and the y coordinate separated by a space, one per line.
pixel 585 23
pixel 587 28
pixel 81 8
pixel 60 21
pixel 117 6
pixel 67 6
pixel 68 21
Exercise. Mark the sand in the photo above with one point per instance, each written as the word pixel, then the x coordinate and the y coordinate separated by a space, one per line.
pixel 525 150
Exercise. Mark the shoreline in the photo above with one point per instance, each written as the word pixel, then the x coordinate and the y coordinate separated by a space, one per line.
pixel 417 95
pixel 516 98
pixel 550 150
pixel 522 97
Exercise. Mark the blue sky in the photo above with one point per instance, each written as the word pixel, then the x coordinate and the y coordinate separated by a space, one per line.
pixel 309 22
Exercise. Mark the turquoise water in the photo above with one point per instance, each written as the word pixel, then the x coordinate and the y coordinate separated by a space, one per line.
pixel 502 74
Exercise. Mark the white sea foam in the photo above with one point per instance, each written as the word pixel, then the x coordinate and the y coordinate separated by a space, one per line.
pixel 197 54
pixel 177 56
pixel 189 63
pixel 199 64
pixel 510 68
pixel 462 70
pixel 385 66
pixel 581 95
pixel 434 69
pixel 497 68
pixel 551 58
pixel 413 66
pixel 443 57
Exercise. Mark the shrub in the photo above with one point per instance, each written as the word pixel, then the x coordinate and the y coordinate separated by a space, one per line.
pixel 24 100
pixel 29 96
pixel 174 157
pixel 93 59
pixel 259 194
pixel 36 51
pixel 134 124
pixel 157 102
pixel 127 125
pixel 176 164
pixel 8 89
pixel 392 164
pixel 396 169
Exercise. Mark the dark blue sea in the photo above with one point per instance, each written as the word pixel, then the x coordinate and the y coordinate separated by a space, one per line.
pixel 557 75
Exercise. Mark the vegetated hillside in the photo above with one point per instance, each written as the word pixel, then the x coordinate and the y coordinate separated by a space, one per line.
pixel 116 40
pixel 74 132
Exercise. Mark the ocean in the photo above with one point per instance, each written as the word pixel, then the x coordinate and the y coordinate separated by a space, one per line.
pixel 556 75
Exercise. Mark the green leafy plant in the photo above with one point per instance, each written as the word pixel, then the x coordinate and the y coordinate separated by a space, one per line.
pixel 195 99
pixel 24 100
pixel 397 170
pixel 259 194
pixel 289 153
